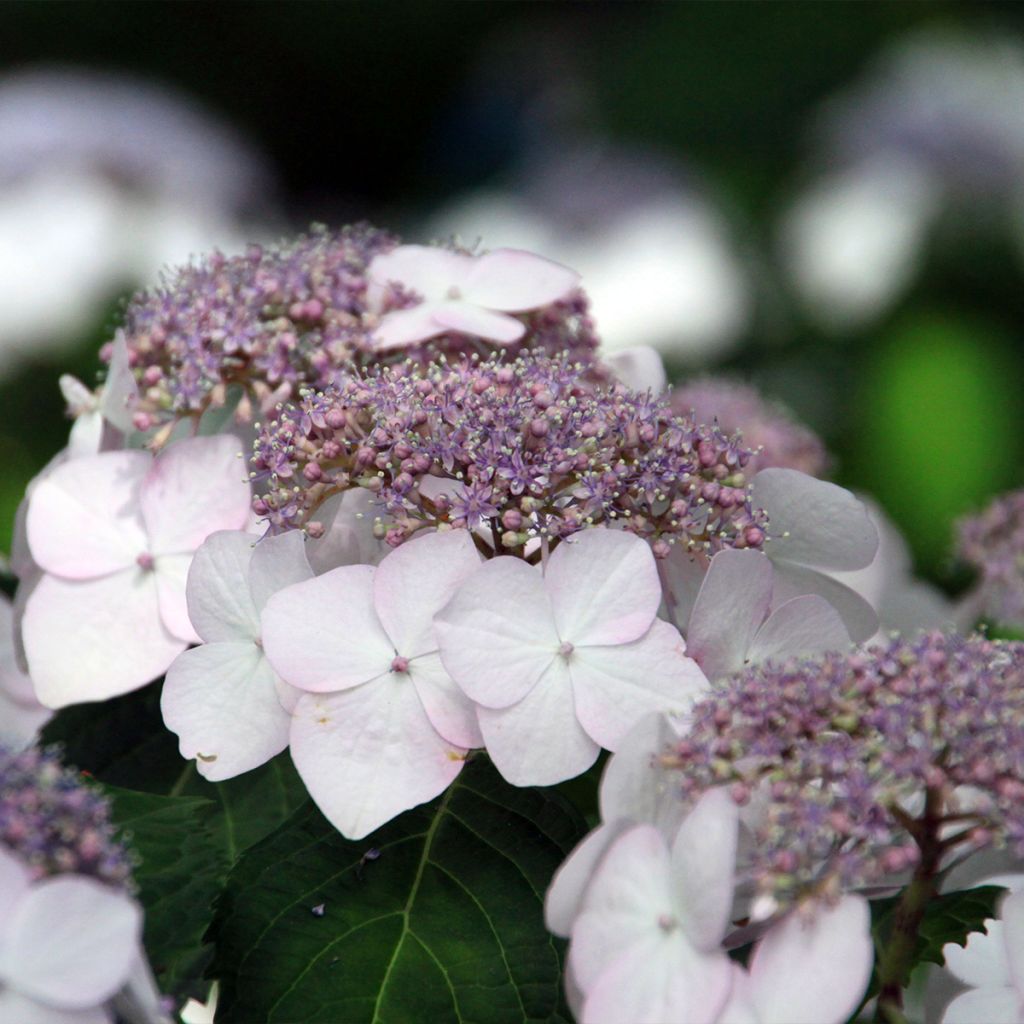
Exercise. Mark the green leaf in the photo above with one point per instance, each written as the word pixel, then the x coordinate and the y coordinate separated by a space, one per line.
pixel 180 872
pixel 435 917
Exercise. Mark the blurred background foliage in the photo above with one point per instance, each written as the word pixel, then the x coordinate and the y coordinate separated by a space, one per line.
pixel 906 356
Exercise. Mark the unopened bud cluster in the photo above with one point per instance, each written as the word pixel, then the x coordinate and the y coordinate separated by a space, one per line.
pixel 839 755
pixel 992 543
pixel 525 447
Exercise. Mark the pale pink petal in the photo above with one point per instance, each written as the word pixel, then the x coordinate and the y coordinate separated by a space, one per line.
pixel 538 742
pixel 450 711
pixel 604 587
pixel 13 681
pixel 739 1009
pixel 194 488
pixel 497 634
pixel 817 972
pixel 221 700
pixel 813 522
pixel 120 387
pixel 14 883
pixel 985 1006
pixel 682 575
pixel 416 581
pixel 20 722
pixel 982 962
pixel 277 562
pixel 514 281
pixel 70 942
pixel 424 269
pixel 324 635
pixel 660 980
pixel 171 573
pixel 564 899
pixel 94 639
pixel 635 783
pixel 614 687
pixel 858 616
pixel 731 605
pixel 1012 912
pixel 19 1009
pixel 403 327
pixel 799 627
pixel 464 318
pixel 703 867
pixel 348 540
pixel 83 518
pixel 369 753
pixel 640 368
pixel 220 604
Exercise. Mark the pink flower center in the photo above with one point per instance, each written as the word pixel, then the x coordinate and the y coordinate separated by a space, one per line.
pixel 666 922
pixel 565 649
pixel 145 561
pixel 400 664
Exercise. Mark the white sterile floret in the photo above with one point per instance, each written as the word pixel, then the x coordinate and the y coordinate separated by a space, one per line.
pixel 230 709
pixel 563 661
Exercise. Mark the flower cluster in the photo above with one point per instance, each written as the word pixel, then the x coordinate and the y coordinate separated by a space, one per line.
pixel 55 823
pixel 275 320
pixel 524 446
pixel 839 755
pixel 767 427
pixel 993 544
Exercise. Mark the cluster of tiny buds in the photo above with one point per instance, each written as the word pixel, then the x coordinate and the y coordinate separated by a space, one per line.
pixel 992 543
pixel 843 759
pixel 258 328
pixel 56 823
pixel 767 427
pixel 519 449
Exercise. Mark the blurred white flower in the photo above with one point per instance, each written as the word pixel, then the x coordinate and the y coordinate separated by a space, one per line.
pixel 103 180
pixel 655 257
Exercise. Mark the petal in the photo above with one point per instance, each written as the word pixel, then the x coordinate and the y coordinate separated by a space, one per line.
pixel 981 963
pixel 812 522
pixel 194 488
pixel 15 881
pixel 94 639
pixel 221 700
pixel 731 605
pixel 614 687
pixel 416 581
pixel 640 368
pixel 1012 911
pixel 985 1006
pixel 450 711
pixel 538 741
pixel 70 942
pixel 515 281
pixel 497 634
pixel 564 899
pixel 369 753
pixel 604 587
pixel 799 627
pixel 277 562
pixel 858 616
pixel 171 573
pixel 324 635
pixel 660 981
pixel 404 327
pixel 120 387
pixel 19 722
pixel 349 538
pixel 682 575
pixel 220 604
pixel 635 783
pixel 479 322
pixel 19 1009
pixel 84 518
pixel 817 972
pixel 427 270
pixel 703 868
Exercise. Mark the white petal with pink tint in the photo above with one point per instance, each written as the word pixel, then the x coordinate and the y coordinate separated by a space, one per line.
pixel 497 634
pixel 424 269
pixel 277 562
pixel 615 686
pixel 221 700
pixel 450 711
pixel 70 942
pixel 83 518
pixel 539 741
pixel 859 618
pixel 220 604
pixel 171 575
pixel 369 753
pixel 95 639
pixel 407 327
pixel 194 488
pixel 603 586
pixel 323 634
pixel 474 320
pixel 801 626
pixel 15 880
pixel 515 281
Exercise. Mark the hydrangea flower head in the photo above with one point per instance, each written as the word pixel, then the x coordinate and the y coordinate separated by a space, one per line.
pixel 992 543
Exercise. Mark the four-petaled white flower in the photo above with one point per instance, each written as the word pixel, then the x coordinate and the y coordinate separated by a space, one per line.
pixel 230 709
pixel 67 945
pixel 382 727
pixel 464 294
pixel 563 662
pixel 114 535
